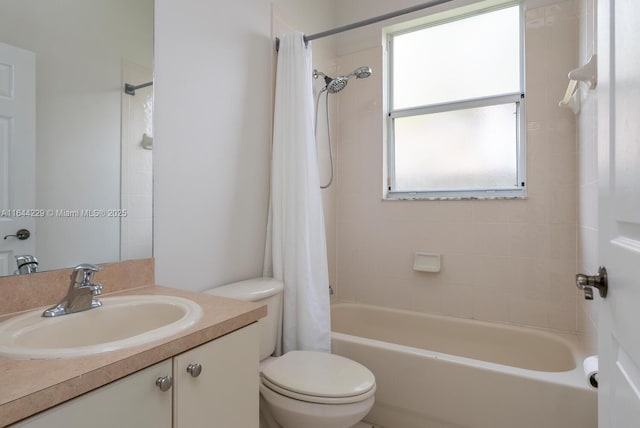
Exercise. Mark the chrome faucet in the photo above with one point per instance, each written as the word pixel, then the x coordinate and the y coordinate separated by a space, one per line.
pixel 80 294
pixel 26 264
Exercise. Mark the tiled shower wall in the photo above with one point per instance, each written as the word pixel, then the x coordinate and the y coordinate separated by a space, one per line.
pixel 136 172
pixel 502 260
pixel 588 179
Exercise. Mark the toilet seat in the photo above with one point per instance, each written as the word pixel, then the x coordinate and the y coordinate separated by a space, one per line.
pixel 319 377
pixel 317 399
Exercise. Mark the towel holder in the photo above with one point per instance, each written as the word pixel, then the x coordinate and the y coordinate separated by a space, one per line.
pixel 571 100
pixel 588 74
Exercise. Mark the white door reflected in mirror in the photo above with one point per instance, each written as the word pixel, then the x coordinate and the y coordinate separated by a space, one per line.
pixel 17 154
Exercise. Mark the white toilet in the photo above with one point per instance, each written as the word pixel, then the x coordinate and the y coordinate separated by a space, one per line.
pixel 302 389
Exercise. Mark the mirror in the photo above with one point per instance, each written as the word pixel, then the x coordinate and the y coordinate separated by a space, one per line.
pixel 75 158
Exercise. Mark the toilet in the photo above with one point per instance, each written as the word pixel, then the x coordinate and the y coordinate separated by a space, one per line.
pixel 302 388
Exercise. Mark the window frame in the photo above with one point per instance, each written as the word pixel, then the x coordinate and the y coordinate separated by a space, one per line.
pixel 518 192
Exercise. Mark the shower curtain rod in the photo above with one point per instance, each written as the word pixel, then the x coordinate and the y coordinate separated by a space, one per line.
pixel 131 89
pixel 370 21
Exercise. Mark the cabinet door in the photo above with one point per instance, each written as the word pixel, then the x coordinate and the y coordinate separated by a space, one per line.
pixel 225 394
pixel 132 402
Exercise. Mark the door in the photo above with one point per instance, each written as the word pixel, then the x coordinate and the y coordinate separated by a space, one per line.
pixel 619 212
pixel 17 153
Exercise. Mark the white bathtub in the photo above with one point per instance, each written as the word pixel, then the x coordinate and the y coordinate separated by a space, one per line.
pixel 442 372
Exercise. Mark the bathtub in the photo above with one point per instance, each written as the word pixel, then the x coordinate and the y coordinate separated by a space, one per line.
pixel 442 372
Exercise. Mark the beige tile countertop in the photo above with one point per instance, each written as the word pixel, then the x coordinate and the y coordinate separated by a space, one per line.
pixel 30 386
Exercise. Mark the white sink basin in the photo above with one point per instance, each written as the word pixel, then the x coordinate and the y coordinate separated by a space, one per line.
pixel 121 322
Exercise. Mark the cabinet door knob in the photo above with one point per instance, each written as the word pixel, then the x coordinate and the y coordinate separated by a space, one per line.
pixel 164 383
pixel 194 369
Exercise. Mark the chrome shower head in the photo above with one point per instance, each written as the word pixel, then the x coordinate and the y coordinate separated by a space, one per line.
pixel 361 72
pixel 336 85
pixel 333 86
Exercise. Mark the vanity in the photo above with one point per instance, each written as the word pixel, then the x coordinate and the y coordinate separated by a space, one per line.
pixel 204 375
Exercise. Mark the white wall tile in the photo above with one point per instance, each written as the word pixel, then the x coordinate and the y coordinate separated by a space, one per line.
pixel 562 278
pixel 457 300
pixel 528 240
pixel 492 272
pixel 490 304
pixel 502 260
pixel 426 294
pixel 559 317
pixel 491 211
pixel 564 204
pixel 529 312
pixel 530 278
pixel 587 326
pixel 587 313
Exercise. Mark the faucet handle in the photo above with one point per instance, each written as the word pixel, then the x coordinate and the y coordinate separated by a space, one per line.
pixel 96 289
pixel 82 274
pixel 26 264
pixel 87 266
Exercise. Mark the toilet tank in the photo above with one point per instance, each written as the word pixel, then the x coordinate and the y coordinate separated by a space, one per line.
pixel 260 290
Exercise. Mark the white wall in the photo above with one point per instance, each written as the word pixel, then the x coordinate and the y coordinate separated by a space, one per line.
pixel 213 98
pixel 79 48
pixel 503 260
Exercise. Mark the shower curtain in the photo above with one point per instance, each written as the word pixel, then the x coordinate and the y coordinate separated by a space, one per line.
pixel 296 247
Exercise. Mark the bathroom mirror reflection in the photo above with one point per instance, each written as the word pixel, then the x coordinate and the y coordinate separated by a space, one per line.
pixel 75 150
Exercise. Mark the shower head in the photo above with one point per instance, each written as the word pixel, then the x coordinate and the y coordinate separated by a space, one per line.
pixel 333 86
pixel 336 85
pixel 361 72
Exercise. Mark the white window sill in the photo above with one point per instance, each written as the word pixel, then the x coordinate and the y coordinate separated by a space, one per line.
pixel 455 196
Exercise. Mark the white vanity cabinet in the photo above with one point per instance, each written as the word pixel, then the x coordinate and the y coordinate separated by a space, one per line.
pixel 225 393
pixel 134 401
pixel 222 392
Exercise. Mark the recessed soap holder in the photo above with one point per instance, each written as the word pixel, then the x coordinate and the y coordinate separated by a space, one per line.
pixel 426 262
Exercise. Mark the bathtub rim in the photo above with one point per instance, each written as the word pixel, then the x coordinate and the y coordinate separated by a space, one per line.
pixel 574 377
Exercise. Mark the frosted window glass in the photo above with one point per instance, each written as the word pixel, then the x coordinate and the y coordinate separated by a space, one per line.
pixel 470 58
pixel 468 149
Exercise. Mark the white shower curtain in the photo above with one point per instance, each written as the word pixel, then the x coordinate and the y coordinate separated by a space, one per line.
pixel 296 246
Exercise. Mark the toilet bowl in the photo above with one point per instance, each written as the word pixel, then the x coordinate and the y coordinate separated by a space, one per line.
pixel 302 388
pixel 315 389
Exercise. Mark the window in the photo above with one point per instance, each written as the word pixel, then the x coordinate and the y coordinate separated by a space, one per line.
pixel 455 108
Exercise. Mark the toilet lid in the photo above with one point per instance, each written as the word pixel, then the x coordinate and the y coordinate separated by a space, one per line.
pixel 319 374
